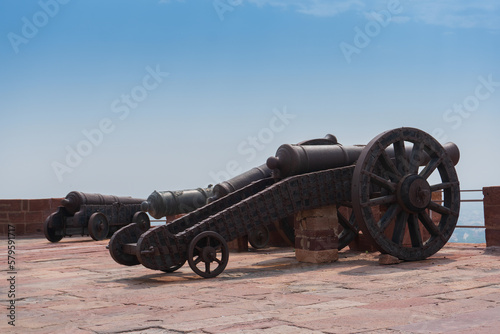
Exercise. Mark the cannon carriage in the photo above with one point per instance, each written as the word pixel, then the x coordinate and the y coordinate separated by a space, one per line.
pixel 398 170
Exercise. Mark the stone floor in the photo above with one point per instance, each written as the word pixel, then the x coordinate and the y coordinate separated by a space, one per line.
pixel 75 287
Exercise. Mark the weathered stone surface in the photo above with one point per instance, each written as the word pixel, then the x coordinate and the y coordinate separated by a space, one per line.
pixel 492 215
pixel 492 237
pixel 322 256
pixel 386 259
pixel 491 195
pixel 75 287
pixel 316 243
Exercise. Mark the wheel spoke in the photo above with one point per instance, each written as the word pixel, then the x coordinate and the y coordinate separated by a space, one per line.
pixel 431 167
pixel 400 227
pixel 416 157
pixel 387 184
pixel 346 224
pixel 430 226
pixel 389 166
pixel 441 209
pixel 442 186
pixel 400 155
pixel 389 216
pixel 207 267
pixel 218 261
pixel 383 200
pixel 414 228
pixel 198 260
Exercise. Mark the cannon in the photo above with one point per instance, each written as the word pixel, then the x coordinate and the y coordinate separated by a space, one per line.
pixel 398 170
pixel 168 203
pixel 93 214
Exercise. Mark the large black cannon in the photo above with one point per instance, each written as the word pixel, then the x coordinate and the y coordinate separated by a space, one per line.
pixel 399 170
pixel 93 214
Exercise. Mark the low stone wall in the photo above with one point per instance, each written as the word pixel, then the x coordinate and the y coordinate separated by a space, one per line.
pixel 492 215
pixel 26 215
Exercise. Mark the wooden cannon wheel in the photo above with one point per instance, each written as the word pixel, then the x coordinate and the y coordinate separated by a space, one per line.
pixel 98 226
pixel 206 248
pixel 259 237
pixel 141 218
pixel 406 227
pixel 50 232
pixel 346 219
pixel 128 235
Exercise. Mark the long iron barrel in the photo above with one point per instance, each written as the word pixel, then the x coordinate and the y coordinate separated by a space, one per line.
pixel 299 159
pixel 259 173
pixel 168 203
pixel 240 181
pixel 75 199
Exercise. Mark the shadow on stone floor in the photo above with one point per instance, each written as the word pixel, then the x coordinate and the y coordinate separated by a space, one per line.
pixel 349 264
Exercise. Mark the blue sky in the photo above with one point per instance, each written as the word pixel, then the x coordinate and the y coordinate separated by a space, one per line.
pixel 179 94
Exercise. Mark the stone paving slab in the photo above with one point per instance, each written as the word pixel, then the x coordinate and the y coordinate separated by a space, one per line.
pixel 75 287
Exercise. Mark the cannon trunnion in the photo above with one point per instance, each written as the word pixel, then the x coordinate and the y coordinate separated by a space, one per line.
pixel 385 186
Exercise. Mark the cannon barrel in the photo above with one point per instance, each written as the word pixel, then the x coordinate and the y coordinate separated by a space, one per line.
pixel 75 199
pixel 299 159
pixel 168 203
pixel 240 181
pixel 261 172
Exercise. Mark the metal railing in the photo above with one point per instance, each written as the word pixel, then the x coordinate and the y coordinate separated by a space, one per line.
pixel 471 201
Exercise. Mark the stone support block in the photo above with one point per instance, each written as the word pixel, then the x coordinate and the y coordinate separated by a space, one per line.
pixel 316 235
pixel 322 256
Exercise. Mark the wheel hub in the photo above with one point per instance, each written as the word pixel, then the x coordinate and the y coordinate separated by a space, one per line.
pixel 209 254
pixel 414 193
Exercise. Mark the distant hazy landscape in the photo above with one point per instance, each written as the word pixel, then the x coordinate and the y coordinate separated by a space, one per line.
pixel 470 214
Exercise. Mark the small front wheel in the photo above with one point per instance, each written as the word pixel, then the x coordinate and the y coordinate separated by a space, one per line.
pixel 205 249
pixel 259 238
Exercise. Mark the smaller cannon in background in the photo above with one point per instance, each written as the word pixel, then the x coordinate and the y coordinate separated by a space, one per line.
pixel 93 214
pixel 169 203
